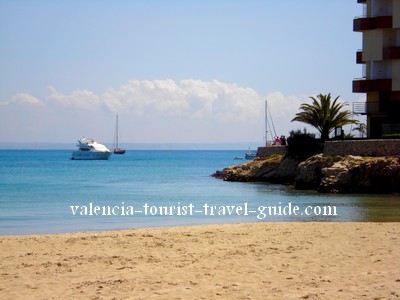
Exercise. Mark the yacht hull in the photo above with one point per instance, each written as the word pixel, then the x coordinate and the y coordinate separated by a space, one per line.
pixel 90 155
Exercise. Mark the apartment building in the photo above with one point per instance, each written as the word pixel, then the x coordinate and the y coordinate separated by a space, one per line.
pixel 380 57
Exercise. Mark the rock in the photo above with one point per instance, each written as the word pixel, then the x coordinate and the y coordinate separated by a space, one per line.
pixel 309 171
pixel 272 169
pixel 287 170
pixel 344 174
pixel 356 174
pixel 219 174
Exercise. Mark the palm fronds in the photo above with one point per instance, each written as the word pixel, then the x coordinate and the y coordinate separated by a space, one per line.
pixel 324 114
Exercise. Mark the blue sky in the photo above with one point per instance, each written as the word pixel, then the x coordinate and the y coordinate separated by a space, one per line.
pixel 175 71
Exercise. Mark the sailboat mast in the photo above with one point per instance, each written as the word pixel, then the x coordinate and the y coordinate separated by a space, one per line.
pixel 266 123
pixel 117 149
pixel 115 142
pixel 116 129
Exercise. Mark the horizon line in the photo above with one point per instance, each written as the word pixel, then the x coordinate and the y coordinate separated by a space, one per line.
pixel 137 146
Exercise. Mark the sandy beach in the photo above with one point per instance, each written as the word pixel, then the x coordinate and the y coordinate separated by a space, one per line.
pixel 241 261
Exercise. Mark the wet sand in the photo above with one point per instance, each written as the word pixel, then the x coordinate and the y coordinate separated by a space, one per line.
pixel 241 261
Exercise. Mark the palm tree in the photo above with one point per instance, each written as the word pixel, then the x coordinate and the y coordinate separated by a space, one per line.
pixel 362 129
pixel 324 114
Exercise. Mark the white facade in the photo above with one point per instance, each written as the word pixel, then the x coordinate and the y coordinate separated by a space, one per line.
pixel 380 56
pixel 375 41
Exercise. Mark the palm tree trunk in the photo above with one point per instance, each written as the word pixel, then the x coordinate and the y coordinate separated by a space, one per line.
pixel 324 135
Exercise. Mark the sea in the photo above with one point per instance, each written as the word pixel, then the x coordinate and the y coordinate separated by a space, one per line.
pixel 44 191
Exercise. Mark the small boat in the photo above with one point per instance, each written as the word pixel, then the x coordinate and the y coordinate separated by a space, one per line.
pixel 117 149
pixel 89 149
pixel 250 155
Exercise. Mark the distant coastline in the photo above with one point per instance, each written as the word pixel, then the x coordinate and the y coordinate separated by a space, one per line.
pixel 134 146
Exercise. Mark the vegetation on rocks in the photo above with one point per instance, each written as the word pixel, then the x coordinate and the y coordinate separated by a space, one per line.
pixel 302 145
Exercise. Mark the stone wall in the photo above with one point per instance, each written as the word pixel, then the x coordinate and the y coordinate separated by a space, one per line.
pixel 271 150
pixel 381 147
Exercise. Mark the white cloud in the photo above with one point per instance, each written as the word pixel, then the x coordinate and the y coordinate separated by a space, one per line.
pixel 143 97
pixel 23 98
pixel 159 111
pixel 281 111
pixel 222 101
pixel 282 106
pixel 79 99
pixel 189 98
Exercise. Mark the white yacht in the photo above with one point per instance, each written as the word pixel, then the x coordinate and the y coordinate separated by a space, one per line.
pixel 88 149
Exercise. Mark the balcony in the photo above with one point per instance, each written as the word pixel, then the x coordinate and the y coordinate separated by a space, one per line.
pixel 366 108
pixel 372 85
pixel 359 59
pixel 362 23
pixel 387 53
pixel 391 53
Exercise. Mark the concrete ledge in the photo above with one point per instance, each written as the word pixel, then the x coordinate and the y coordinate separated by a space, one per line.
pixel 271 150
pixel 381 147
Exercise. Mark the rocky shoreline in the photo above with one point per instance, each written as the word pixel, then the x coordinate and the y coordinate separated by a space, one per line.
pixel 326 174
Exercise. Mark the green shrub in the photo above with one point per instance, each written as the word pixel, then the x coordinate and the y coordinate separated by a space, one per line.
pixel 302 145
pixel 391 136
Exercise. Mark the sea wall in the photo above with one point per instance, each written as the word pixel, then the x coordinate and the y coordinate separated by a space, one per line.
pixel 271 150
pixel 374 148
pixel 389 147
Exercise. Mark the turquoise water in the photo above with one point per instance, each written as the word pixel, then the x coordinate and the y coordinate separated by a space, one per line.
pixel 38 188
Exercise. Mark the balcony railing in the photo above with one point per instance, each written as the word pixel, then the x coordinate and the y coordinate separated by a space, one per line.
pixel 366 108
pixel 371 85
pixel 362 23
pixel 359 59
pixel 387 53
pixel 391 53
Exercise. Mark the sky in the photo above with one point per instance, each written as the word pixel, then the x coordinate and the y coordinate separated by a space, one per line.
pixel 174 71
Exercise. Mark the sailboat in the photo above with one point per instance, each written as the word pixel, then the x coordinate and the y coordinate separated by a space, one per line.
pixel 117 149
pixel 267 123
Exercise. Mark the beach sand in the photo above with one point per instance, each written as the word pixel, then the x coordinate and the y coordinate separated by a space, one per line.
pixel 241 261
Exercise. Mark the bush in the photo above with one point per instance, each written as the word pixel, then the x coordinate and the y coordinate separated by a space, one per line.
pixel 302 145
pixel 391 136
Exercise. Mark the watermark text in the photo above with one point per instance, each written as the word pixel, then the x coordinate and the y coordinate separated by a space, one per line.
pixel 244 209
